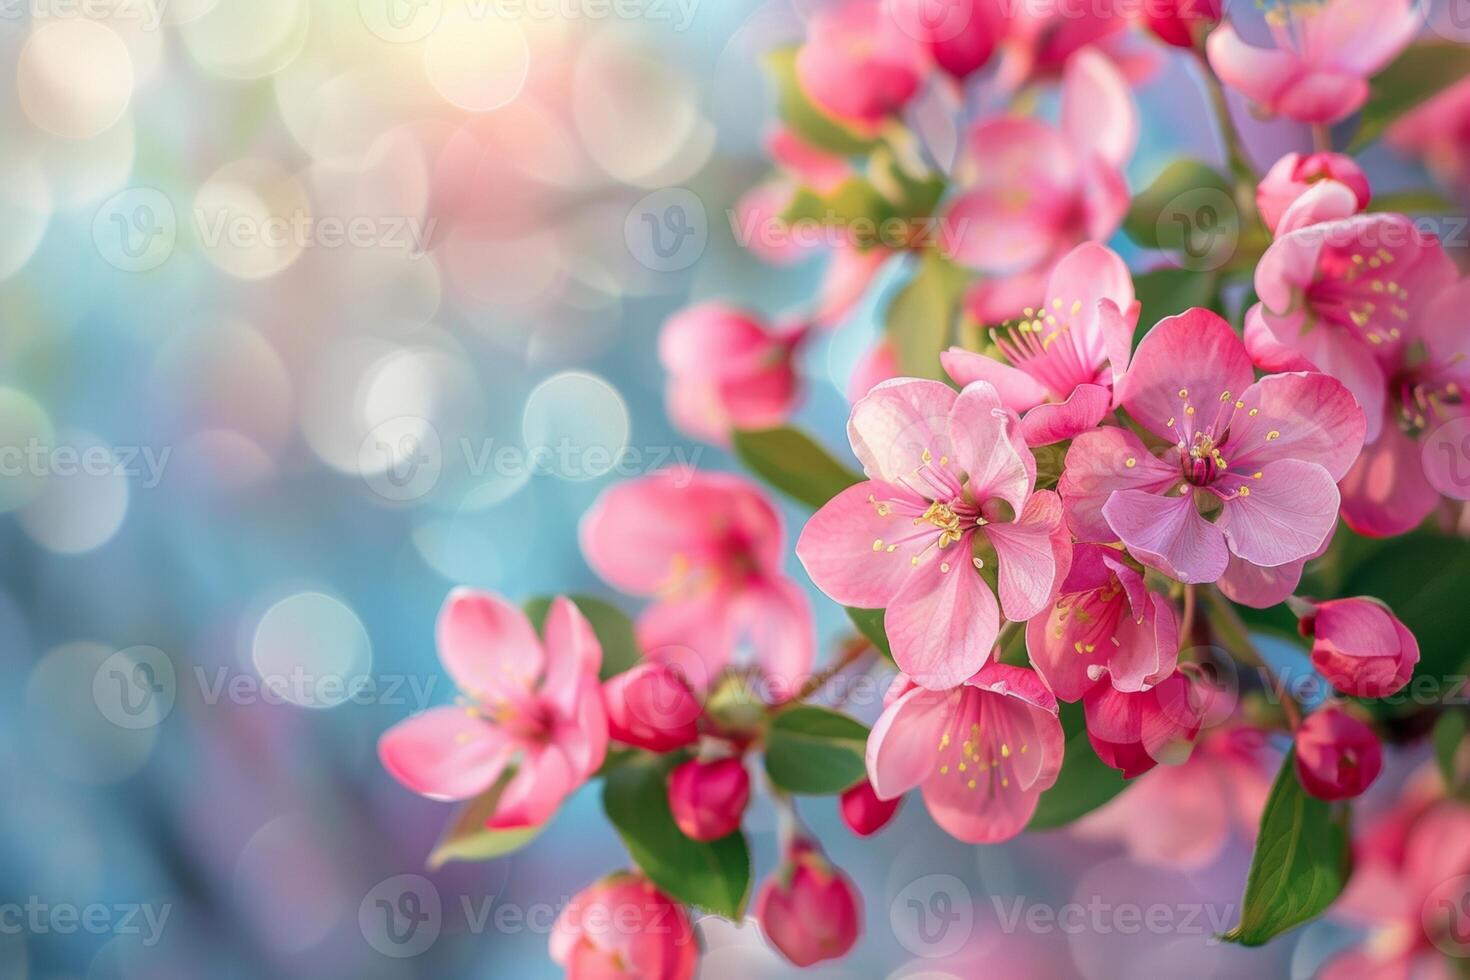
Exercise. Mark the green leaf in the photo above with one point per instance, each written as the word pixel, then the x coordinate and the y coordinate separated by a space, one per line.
pixel 613 628
pixel 793 463
pixel 921 317
pixel 870 623
pixel 1169 292
pixel 854 206
pixel 713 876
pixel 806 120
pixel 1412 202
pixel 466 838
pixel 1300 866
pixel 1085 782
pixel 1414 77
pixel 1449 735
pixel 815 752
pixel 1188 210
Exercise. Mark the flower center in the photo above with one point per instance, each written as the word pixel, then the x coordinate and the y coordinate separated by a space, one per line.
pixel 1203 461
pixel 943 517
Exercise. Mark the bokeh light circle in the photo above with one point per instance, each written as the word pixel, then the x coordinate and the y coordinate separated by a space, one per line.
pixel 311 650
pixel 478 63
pixel 83 499
pixel 575 426
pixel 74 77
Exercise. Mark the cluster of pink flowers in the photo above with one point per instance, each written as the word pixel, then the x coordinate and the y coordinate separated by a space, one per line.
pixel 1067 511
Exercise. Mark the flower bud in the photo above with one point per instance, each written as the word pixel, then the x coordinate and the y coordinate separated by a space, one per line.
pixel 650 707
pixel 1337 756
pixel 624 927
pixel 1294 174
pixel 1136 731
pixel 1176 21
pixel 708 798
pixel 961 38
pixel 1361 647
pixel 809 910
pixel 864 813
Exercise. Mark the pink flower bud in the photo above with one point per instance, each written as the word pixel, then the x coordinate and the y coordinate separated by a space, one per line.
pixel 809 910
pixel 960 35
pixel 857 63
pixel 651 707
pixel 1175 21
pixel 1294 174
pixel 864 813
pixel 708 798
pixel 1361 647
pixel 623 927
pixel 1337 756
pixel 1134 732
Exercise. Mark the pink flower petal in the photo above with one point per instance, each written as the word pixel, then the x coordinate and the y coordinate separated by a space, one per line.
pixel 1261 74
pixel 1025 551
pixel 446 753
pixel 1017 389
pixel 774 621
pixel 1386 492
pixel 1001 229
pixel 1257 587
pixel 544 778
pixel 1169 534
pixel 1310 417
pixel 901 746
pixel 1286 516
pixel 1099 114
pixel 844 547
pixel 897 423
pixel 943 624
pixel 988 448
pixel 573 654
pixel 488 647
pixel 1099 463
pixel 1186 360
pixel 1052 423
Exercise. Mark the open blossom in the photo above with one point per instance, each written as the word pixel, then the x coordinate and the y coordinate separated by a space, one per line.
pixel 1326 50
pixel 1337 756
pixel 1184 816
pixel 1294 174
pixel 858 64
pixel 1360 646
pixel 1066 353
pixel 981 753
pixel 1106 626
pixel 950 495
pixel 709 546
pixel 533 711
pixel 728 370
pixel 1372 301
pixel 1034 191
pixel 1135 731
pixel 1247 478
pixel 808 909
pixel 623 927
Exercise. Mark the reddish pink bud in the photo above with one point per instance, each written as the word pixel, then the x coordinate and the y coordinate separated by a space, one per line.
pixel 857 64
pixel 1361 647
pixel 1134 732
pixel 1294 174
pixel 708 798
pixel 1176 21
pixel 651 707
pixel 809 910
pixel 960 35
pixel 623 927
pixel 864 813
pixel 1337 756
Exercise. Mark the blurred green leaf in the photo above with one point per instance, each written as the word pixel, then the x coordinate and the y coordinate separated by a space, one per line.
pixel 1449 735
pixel 1414 77
pixel 713 876
pixel 806 120
pixel 870 623
pixel 793 463
pixel 815 751
pixel 613 628
pixel 1301 864
pixel 1188 209
pixel 920 319
pixel 1085 782
pixel 466 838
pixel 1413 202
pixel 1169 292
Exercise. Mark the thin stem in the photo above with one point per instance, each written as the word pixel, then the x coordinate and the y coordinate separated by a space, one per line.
pixel 1186 625
pixel 1240 167
pixel 1321 138
pixel 1224 617
pixel 856 649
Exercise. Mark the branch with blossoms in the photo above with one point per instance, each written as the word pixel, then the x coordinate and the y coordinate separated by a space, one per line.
pixel 1082 495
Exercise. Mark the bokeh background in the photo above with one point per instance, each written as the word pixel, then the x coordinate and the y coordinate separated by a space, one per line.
pixel 298 300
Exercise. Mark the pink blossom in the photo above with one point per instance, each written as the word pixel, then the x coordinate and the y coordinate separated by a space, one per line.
pixel 1439 132
pixel 1104 624
pixel 1294 174
pixel 1337 756
pixel 1133 732
pixel 1407 890
pixel 1325 53
pixel 1360 646
pixel 728 370
pixel 864 813
pixel 1184 816
pixel 623 928
pixel 878 365
pixel 1372 301
pixel 710 547
pixel 1181 22
pixel 1067 352
pixel 708 799
pixel 532 712
pixel 857 63
pixel 1035 191
pixel 1043 35
pixel 981 753
pixel 959 35
pixel 809 910
pixel 950 498
pixel 1262 458
pixel 652 707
